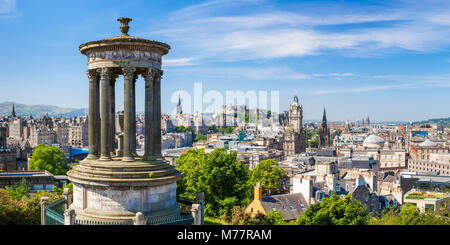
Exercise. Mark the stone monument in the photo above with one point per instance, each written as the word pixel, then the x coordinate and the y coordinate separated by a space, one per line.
pixel 114 187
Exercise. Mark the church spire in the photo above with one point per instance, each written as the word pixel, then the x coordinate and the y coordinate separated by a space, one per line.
pixel 13 111
pixel 179 109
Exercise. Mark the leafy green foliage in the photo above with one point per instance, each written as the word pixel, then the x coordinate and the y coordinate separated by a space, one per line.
pixel 334 134
pixel 19 191
pixel 312 138
pixel 335 211
pixel 268 174
pixel 49 158
pixel 409 215
pixel 182 129
pixel 276 218
pixel 212 129
pixel 218 175
pixel 201 137
pixel 26 211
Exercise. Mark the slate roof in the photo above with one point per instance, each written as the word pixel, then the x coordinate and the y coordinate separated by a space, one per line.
pixel 326 152
pixel 288 204
pixel 364 164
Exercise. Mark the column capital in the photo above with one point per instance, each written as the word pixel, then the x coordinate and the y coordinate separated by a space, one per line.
pixel 93 75
pixel 129 72
pixel 150 73
pixel 105 73
pixel 159 74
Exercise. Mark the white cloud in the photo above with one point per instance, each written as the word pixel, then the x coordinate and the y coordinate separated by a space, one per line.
pixel 7 5
pixel 256 33
pixel 7 8
pixel 187 61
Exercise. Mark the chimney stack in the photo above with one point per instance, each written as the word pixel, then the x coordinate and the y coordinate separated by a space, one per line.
pixel 258 192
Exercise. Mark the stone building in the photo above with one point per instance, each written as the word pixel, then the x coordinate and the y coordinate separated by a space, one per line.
pixel 7 156
pixel 291 205
pixel 423 150
pixel 324 133
pixel 294 134
pixel 78 132
pixel 42 135
pixel 16 128
pixel 62 132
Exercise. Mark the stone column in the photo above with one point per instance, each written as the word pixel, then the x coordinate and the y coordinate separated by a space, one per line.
pixel 201 201
pixel 149 114
pixel 68 197
pixel 139 219
pixel 128 122
pixel 44 204
pixel 93 98
pixel 69 217
pixel 113 114
pixel 97 124
pixel 196 215
pixel 105 148
pixel 133 108
pixel 157 114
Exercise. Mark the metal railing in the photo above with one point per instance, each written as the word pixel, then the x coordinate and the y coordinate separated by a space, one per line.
pixel 55 212
pixel 102 222
pixel 174 220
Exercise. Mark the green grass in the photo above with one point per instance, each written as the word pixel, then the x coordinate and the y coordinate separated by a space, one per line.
pixel 214 221
pixel 423 195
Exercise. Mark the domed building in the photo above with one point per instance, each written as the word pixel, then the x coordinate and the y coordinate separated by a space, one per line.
pixel 373 141
pixel 428 143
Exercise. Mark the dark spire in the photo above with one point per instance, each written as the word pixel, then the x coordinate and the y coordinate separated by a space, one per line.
pixel 13 111
pixel 324 118
pixel 179 109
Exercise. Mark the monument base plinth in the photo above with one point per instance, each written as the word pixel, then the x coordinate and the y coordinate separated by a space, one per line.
pixel 114 191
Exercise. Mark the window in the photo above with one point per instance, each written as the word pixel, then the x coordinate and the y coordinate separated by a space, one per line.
pixel 291 207
pixel 274 209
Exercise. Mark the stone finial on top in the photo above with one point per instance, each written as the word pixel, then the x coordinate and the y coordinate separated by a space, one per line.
pixel 124 25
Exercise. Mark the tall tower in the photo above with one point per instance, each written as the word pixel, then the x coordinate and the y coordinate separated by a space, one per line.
pixel 324 134
pixel 13 113
pixel 224 116
pixel 179 109
pixel 296 115
pixel 294 135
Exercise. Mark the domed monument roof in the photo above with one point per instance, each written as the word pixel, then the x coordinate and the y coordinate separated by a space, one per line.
pixel 124 49
pixel 373 141
pixel 428 143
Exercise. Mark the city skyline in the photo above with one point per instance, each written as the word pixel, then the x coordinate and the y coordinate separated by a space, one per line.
pixel 386 60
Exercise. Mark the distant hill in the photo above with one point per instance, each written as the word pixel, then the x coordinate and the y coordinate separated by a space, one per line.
pixel 445 122
pixel 39 110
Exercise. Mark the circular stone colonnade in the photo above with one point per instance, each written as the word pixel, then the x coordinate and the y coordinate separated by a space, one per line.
pixel 112 185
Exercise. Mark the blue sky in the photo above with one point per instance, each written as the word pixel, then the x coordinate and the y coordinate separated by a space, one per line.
pixel 386 59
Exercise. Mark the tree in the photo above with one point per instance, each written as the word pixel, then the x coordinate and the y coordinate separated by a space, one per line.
pixel 219 175
pixel 408 214
pixel 49 158
pixel 26 211
pixel 182 129
pixel 201 137
pixel 335 211
pixel 268 174
pixel 276 218
pixel 19 191
pixel 212 129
